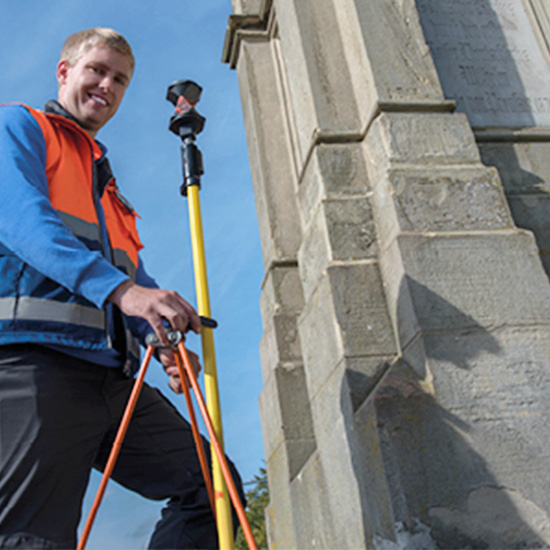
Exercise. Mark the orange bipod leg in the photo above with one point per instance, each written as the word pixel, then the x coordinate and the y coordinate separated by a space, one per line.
pixel 186 374
pixel 197 436
pixel 232 489
pixel 123 428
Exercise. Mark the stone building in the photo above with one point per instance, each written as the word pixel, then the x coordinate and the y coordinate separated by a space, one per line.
pixel 400 158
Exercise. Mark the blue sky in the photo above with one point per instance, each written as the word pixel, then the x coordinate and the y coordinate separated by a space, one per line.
pixel 172 40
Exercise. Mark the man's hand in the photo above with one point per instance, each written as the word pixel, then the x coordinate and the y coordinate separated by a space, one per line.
pixel 154 305
pixel 168 361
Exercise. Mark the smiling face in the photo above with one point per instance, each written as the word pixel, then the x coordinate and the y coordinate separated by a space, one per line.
pixel 91 90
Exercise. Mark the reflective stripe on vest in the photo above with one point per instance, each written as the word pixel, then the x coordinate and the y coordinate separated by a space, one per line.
pixel 39 309
pixel 81 228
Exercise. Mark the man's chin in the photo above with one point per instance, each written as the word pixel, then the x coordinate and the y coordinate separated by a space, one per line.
pixel 92 126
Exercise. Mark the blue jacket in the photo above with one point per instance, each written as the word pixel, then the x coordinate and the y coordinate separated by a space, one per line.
pixel 67 240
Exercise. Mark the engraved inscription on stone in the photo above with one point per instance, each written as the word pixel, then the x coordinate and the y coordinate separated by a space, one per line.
pixel 489 60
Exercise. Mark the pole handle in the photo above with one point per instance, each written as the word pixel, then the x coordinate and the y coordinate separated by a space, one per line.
pixel 176 336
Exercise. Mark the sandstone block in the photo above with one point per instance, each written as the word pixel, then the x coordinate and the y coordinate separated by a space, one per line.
pixel 333 171
pixel 280 514
pixel 312 506
pixel 285 413
pixel 280 343
pixel 281 292
pixel 427 139
pixel 246 7
pixel 345 316
pixel 486 402
pixel 324 101
pixel 524 167
pixel 446 199
pixel 268 144
pixel 484 279
pixel 398 57
pixel 341 230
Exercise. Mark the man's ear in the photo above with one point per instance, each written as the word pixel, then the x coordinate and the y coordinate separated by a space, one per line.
pixel 62 70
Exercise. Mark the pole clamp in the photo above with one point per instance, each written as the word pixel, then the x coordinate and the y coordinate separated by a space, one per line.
pixel 174 336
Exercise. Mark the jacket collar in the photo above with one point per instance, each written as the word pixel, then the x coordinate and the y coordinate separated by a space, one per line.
pixel 55 108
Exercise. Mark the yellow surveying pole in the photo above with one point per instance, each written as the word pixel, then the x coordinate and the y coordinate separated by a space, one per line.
pixel 187 123
pixel 223 509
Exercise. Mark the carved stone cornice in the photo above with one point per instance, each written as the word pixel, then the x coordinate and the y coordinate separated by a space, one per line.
pixel 244 24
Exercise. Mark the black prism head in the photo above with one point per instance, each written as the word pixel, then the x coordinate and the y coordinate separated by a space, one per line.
pixel 185 121
pixel 190 90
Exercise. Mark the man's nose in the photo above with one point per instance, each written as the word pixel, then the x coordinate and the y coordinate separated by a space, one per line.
pixel 106 82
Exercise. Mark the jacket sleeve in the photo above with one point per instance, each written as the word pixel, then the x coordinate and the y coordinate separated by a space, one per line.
pixel 30 228
pixel 140 328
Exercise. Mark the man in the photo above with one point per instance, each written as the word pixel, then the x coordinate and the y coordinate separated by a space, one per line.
pixel 75 303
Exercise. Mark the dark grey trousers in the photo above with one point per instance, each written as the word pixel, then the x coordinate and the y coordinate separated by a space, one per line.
pixel 58 419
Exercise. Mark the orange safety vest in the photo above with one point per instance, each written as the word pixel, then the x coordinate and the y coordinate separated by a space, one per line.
pixel 69 171
pixel 52 314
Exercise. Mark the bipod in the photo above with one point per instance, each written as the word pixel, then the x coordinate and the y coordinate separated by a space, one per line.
pixel 188 378
pixel 186 123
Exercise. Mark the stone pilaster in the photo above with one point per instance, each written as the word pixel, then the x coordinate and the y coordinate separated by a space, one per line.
pixel 284 403
pixel 406 316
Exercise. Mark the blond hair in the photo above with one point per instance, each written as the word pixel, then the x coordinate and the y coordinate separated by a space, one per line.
pixel 79 43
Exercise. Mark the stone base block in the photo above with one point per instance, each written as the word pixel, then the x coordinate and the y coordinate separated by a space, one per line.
pixel 422 200
pixel 286 416
pixel 346 316
pixel 280 517
pixel 478 280
pixel 471 440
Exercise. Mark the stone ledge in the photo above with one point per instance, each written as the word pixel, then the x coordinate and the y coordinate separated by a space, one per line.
pixel 483 135
pixel 250 23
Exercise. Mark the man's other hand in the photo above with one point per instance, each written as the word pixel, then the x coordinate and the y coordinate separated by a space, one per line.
pixel 168 361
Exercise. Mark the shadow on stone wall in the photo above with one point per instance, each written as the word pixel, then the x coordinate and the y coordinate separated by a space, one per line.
pixel 478 67
pixel 528 193
pixel 477 62
pixel 415 435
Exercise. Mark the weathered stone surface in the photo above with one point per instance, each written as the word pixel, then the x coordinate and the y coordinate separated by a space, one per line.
pixel 425 139
pixel 345 316
pixel 281 292
pixel 333 171
pixel 310 498
pixel 496 517
pixel 524 168
pixel 321 336
pixel 270 414
pixel 285 414
pixel 280 342
pixel 398 59
pixel 246 7
pixel 487 442
pixel 280 514
pixel 493 67
pixel 479 280
pixel 434 282
pixel 268 144
pixel 341 230
pixel 421 357
pixel 324 101
pixel 448 199
pixel 332 413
